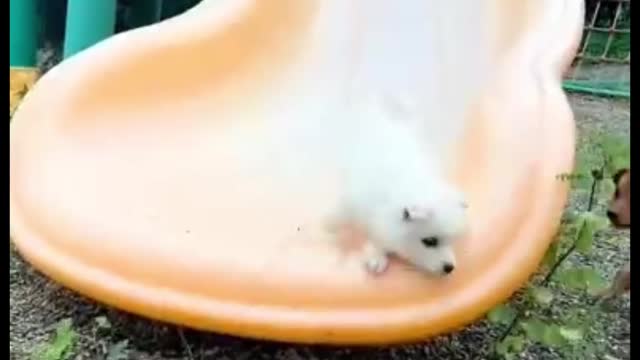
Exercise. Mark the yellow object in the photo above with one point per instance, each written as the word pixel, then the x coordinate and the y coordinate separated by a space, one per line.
pixel 140 174
pixel 21 80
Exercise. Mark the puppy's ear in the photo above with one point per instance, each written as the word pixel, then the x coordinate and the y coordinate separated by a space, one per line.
pixel 412 213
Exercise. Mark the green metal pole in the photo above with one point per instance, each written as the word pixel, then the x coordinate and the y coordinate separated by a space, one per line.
pixel 23 33
pixel 88 22
pixel 577 88
pixel 145 12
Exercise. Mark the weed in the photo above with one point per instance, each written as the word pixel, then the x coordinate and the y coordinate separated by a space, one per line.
pixel 61 346
pixel 530 323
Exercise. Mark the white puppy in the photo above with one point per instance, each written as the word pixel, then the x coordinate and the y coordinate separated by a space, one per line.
pixel 395 192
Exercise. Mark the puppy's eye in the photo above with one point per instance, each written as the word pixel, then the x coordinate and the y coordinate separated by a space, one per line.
pixel 430 242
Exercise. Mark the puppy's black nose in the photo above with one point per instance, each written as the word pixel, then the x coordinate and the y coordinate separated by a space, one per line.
pixel 448 268
pixel 612 216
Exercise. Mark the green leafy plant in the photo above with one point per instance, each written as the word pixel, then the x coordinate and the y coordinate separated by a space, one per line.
pixel 529 322
pixel 61 345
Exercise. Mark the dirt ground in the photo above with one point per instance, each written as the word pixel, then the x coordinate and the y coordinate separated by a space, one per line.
pixel 36 305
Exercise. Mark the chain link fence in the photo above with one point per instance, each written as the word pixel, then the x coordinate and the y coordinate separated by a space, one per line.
pixel 602 65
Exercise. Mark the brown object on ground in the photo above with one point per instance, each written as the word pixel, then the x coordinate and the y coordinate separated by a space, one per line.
pixel 621 283
pixel 620 206
pixel 619 213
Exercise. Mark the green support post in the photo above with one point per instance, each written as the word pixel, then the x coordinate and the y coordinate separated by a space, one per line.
pixel 88 22
pixel 23 33
pixel 145 12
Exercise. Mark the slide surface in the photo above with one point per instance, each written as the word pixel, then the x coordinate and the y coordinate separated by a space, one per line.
pixel 145 171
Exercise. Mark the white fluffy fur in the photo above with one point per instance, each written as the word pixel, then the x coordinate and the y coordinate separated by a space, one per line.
pixel 387 171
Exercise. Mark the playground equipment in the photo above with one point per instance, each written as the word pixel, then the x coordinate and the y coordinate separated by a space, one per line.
pixel 87 22
pixel 131 183
pixel 599 68
pixel 22 33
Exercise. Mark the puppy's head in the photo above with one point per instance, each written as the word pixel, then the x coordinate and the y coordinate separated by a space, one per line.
pixel 619 211
pixel 429 233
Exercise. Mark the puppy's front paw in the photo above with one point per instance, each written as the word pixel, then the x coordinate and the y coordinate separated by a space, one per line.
pixel 376 265
pixel 375 261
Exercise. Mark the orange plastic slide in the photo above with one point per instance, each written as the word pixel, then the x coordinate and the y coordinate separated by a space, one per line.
pixel 140 175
